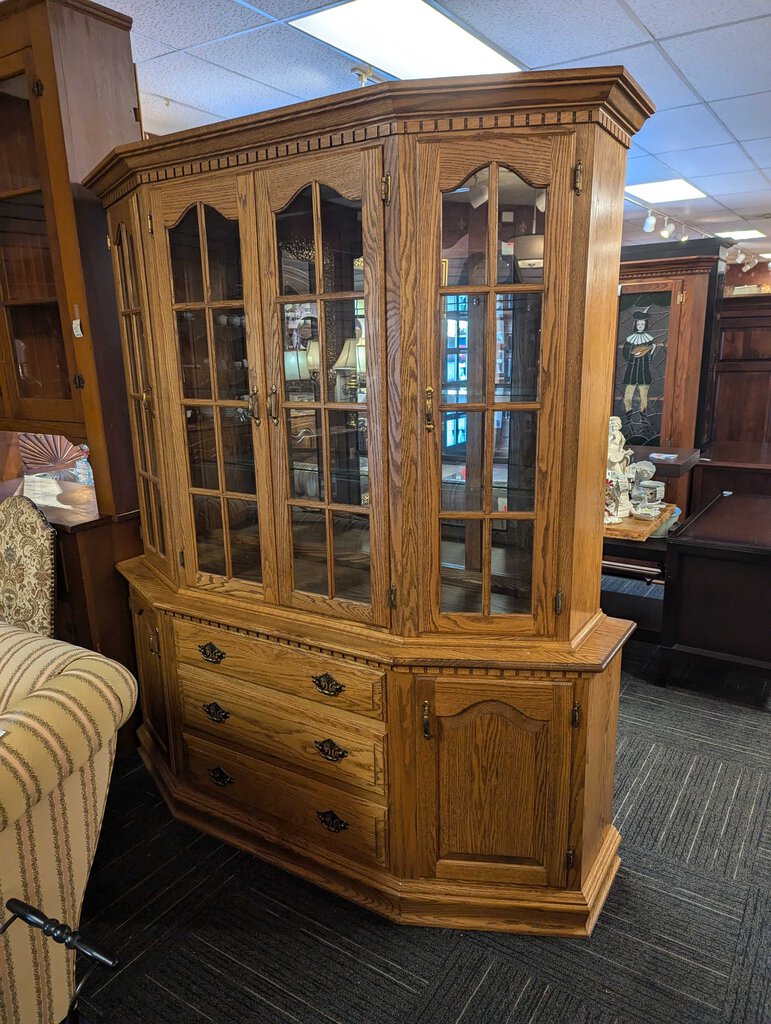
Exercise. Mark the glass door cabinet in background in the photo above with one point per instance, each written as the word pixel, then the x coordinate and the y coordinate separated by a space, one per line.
pixel 379 356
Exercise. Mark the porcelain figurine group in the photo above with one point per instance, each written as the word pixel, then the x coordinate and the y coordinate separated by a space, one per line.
pixel 628 490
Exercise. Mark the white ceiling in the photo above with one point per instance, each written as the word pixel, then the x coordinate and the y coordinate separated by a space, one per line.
pixel 705 64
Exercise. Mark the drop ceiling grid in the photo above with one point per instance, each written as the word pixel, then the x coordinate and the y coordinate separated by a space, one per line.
pixel 704 62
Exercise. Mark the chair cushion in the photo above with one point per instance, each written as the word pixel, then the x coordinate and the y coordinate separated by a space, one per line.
pixel 27 566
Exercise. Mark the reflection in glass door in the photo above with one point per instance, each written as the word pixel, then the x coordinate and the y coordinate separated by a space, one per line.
pixel 491 285
pixel 324 346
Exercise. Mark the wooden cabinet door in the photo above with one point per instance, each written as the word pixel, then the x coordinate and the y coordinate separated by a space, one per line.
pixel 150 671
pixel 493 780
pixel 495 222
pixel 320 224
pixel 206 318
pixel 141 379
pixel 39 257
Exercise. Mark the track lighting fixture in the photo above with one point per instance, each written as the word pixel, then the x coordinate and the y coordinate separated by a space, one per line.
pixel 668 230
pixel 740 256
pixel 650 222
pixel 750 264
pixel 684 234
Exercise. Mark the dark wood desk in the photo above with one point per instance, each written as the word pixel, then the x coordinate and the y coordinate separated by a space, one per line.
pixel 668 469
pixel 718 583
pixel 738 466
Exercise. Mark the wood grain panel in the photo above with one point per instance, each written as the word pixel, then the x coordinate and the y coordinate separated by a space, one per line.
pixel 270 724
pixel 291 802
pixel 337 170
pixel 530 158
pixel 282 668
pixel 743 406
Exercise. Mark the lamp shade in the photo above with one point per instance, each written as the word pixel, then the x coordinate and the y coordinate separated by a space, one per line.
pixel 313 355
pixel 347 358
pixel 528 248
pixel 296 365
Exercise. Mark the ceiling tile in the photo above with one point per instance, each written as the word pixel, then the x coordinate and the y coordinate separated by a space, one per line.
pixel 728 61
pixel 731 184
pixel 682 128
pixel 267 54
pixel 183 77
pixel 652 70
pixel 646 168
pixel 182 23
pixel 291 8
pixel 760 151
pixel 144 48
pixel 751 203
pixel 664 18
pixel 746 116
pixel 692 209
pixel 161 116
pixel 706 160
pixel 550 31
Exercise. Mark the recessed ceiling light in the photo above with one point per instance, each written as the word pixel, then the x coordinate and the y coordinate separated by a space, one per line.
pixel 741 235
pixel 412 40
pixel 665 191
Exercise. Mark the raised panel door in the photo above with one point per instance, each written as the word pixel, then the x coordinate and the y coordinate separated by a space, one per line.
pixel 150 670
pixel 495 219
pixel 493 765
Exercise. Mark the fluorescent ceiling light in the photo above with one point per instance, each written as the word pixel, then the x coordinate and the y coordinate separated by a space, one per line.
pixel 740 236
pixel 665 191
pixel 765 255
pixel 405 38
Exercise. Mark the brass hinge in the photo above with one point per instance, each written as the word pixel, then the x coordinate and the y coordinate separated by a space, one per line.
pixel 681 297
pixel 150 228
pixel 392 597
pixel 182 557
pixel 578 178
pixel 570 859
pixel 79 381
pixel 37 88
pixel 385 188
pixel 558 601
pixel 575 714
pixel 109 243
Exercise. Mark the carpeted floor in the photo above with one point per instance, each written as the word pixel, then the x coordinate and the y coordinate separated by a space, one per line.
pixel 208 933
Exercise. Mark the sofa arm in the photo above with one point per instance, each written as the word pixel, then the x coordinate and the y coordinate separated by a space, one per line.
pixel 56 729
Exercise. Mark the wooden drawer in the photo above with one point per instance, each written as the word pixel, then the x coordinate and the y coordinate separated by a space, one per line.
pixel 298 810
pixel 329 681
pixel 339 747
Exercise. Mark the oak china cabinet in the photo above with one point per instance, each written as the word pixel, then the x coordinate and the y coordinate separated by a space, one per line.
pixel 369 344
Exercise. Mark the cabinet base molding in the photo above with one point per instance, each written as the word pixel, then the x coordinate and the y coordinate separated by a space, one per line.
pixel 433 903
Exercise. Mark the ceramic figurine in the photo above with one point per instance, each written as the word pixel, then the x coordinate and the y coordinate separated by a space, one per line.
pixel 619 461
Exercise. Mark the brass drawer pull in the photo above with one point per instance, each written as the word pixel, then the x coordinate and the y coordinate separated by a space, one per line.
pixel 215 712
pixel 327 685
pixel 220 777
pixel 210 652
pixel 329 750
pixel 331 821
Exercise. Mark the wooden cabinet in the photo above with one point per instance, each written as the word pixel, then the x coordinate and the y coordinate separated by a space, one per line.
pixel 67 96
pixel 378 349
pixel 667 345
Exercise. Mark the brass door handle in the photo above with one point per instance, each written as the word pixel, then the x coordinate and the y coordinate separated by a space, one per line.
pixel 253 405
pixel 426 720
pixel 429 410
pixel 146 396
pixel 269 405
pixel 153 642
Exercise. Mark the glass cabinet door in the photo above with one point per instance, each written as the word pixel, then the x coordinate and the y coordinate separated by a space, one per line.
pixel 218 409
pixel 486 263
pixel 125 239
pixel 36 352
pixel 322 298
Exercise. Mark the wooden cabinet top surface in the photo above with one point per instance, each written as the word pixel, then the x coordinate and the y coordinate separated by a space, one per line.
pixel 735 520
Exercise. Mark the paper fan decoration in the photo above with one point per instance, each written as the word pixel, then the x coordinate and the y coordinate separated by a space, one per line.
pixel 49 454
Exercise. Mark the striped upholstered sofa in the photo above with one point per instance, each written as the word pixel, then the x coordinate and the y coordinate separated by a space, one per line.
pixel 60 710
